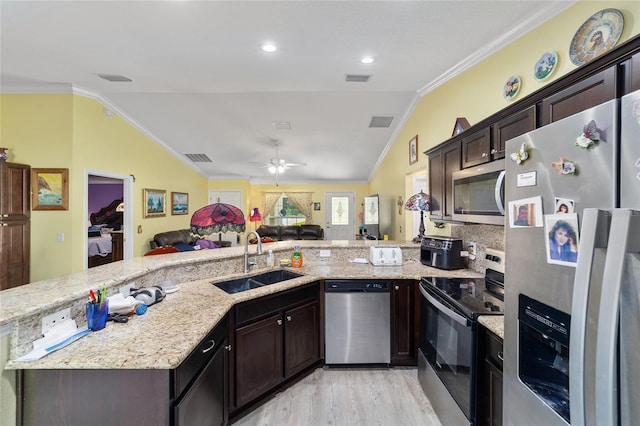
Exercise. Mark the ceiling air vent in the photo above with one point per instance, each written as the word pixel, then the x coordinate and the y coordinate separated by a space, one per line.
pixel 199 158
pixel 115 77
pixel 381 121
pixel 281 125
pixel 357 78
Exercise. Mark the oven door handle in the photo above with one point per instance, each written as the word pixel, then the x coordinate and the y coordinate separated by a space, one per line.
pixel 498 192
pixel 442 308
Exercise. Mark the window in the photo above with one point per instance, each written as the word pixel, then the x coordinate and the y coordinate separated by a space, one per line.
pixel 285 212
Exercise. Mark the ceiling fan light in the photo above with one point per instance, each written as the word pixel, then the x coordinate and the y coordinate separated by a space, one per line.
pixel 272 169
pixel 280 168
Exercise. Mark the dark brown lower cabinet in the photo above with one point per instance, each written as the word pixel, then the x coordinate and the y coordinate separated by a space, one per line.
pixel 276 337
pixel 404 340
pixel 489 385
pixel 195 393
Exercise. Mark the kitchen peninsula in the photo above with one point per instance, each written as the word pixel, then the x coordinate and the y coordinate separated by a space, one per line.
pixel 169 331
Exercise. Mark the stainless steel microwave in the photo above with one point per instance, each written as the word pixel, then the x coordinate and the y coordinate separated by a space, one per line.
pixel 478 194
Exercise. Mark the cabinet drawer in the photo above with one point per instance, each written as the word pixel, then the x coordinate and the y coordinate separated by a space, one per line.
pixel 263 306
pixel 494 349
pixel 190 367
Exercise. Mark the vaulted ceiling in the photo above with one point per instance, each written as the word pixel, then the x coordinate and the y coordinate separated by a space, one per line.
pixel 200 83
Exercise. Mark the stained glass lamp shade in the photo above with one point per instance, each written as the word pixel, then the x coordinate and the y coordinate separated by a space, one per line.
pixel 419 202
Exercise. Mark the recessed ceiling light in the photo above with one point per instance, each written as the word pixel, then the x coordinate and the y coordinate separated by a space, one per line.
pixel 268 47
pixel 368 60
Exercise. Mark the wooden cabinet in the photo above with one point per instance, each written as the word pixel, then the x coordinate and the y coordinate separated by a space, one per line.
pixel 442 163
pixel 510 127
pixel 581 96
pixel 15 230
pixel 404 341
pixel 275 338
pixel 489 384
pixel 632 74
pixel 117 246
pixel 194 393
pixel 476 148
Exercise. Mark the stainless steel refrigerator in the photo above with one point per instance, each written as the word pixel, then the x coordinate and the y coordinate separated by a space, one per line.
pixel 572 275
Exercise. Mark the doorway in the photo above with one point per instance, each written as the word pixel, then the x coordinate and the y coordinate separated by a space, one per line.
pixel 121 185
pixel 340 214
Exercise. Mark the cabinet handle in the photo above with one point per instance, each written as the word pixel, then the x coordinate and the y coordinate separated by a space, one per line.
pixel 288 317
pixel 397 287
pixel 494 151
pixel 213 344
pixel 500 356
pixel 5 215
pixel 484 154
pixel 228 347
pixel 279 322
pixel 5 224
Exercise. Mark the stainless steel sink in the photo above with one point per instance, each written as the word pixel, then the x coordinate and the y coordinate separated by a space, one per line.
pixel 256 281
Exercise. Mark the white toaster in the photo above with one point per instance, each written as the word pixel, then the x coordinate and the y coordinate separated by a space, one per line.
pixel 385 256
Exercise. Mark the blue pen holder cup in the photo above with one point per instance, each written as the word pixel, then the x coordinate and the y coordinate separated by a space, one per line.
pixel 97 315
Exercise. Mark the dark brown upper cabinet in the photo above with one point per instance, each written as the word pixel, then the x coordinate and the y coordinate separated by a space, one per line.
pixel 510 127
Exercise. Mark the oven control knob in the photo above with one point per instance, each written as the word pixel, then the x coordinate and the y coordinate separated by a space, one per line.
pixel 495 308
pixel 488 305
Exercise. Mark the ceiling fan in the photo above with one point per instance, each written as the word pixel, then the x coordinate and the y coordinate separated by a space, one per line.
pixel 277 165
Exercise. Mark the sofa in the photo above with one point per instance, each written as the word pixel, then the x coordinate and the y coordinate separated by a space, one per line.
pixel 183 240
pixel 291 232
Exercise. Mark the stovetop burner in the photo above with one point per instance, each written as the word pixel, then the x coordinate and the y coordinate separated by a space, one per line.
pixel 469 294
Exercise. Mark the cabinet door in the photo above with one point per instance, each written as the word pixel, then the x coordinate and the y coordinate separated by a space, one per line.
pixel 301 337
pixel 204 403
pixel 258 365
pixel 451 163
pixel 476 148
pixel 581 96
pixel 15 191
pixel 510 127
pixel 14 253
pixel 494 382
pixel 436 184
pixel 634 73
pixel 403 323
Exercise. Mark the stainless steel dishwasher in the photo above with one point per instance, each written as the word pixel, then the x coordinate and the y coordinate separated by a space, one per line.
pixel 357 321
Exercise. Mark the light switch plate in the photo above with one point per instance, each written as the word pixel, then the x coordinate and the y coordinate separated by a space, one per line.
pixel 325 253
pixel 54 319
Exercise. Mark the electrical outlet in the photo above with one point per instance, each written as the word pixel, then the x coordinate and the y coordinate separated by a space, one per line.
pixel 52 320
pixel 472 249
pixel 325 253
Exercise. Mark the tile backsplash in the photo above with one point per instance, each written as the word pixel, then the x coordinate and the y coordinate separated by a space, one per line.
pixel 484 236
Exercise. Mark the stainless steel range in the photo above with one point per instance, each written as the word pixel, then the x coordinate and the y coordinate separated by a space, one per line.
pixel 449 309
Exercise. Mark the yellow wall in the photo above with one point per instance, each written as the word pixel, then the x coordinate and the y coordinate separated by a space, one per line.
pixel 71 131
pixel 477 94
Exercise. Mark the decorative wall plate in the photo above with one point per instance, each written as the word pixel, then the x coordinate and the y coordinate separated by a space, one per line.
pixel 512 87
pixel 596 36
pixel 545 66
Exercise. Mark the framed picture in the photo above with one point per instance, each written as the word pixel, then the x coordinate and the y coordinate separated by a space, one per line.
pixel 179 203
pixel 561 238
pixel 461 125
pixel 50 189
pixel 413 150
pixel 316 206
pixel 154 202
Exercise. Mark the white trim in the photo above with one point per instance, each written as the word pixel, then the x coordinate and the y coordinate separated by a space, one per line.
pixel 126 117
pixel 127 220
pixel 543 14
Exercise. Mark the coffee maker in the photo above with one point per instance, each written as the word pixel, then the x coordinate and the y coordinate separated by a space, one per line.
pixel 441 252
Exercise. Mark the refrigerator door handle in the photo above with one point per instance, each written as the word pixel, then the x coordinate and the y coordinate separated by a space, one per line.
pixel 594 234
pixel 623 223
pixel 498 192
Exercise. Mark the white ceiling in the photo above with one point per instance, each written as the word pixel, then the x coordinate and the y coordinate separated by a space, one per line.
pixel 202 85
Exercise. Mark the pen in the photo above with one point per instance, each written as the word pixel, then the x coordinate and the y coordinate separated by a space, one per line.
pixel 92 295
pixel 104 293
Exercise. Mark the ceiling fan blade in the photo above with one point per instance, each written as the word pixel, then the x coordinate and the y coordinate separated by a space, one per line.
pixel 294 164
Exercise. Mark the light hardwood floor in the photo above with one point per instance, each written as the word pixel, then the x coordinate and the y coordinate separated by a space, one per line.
pixel 348 397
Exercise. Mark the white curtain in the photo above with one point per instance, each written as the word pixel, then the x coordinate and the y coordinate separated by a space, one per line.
pixel 303 201
pixel 269 200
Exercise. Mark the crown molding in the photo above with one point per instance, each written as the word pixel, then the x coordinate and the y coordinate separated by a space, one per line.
pixel 542 15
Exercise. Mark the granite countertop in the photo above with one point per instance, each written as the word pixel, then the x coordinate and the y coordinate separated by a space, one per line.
pixel 164 336
pixel 494 323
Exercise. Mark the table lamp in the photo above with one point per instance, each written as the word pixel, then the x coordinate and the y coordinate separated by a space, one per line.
pixel 419 202
pixel 255 216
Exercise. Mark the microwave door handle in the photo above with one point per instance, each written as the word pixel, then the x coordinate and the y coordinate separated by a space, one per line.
pixel 594 234
pixel 625 224
pixel 448 312
pixel 498 192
